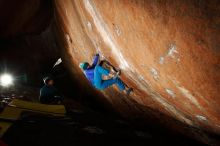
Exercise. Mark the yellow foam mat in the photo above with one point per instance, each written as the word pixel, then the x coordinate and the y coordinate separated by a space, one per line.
pixel 12 112
pixel 38 107
pixel 4 127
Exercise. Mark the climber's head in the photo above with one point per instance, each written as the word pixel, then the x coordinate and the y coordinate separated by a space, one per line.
pixel 48 81
pixel 84 65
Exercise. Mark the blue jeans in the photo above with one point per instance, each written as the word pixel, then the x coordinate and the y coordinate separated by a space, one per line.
pixel 102 84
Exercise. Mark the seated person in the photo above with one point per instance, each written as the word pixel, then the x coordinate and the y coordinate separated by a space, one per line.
pixel 95 72
pixel 48 93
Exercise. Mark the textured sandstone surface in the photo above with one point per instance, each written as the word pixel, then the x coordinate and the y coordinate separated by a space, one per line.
pixel 168 52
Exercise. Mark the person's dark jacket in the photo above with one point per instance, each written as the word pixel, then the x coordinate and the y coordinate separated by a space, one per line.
pixel 47 94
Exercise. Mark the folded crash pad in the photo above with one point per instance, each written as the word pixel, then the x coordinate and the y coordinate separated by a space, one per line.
pixel 13 111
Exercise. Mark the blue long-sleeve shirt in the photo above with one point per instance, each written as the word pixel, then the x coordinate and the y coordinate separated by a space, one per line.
pixel 89 73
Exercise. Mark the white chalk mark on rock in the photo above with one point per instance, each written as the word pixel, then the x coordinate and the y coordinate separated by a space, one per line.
pixel 145 86
pixel 172 53
pixel 201 118
pixel 117 30
pixel 188 95
pixel 171 93
pixel 89 25
pixel 155 74
pixel 161 60
pixel 106 34
pixel 68 38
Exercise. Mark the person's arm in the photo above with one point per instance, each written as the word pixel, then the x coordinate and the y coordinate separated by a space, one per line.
pixel 42 92
pixel 95 60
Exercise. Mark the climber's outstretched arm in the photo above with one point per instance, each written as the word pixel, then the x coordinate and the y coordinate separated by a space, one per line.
pixel 95 60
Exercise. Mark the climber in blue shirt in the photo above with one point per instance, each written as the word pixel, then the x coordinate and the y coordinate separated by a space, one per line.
pixel 95 72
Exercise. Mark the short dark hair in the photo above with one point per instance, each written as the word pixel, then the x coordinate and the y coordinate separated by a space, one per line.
pixel 47 79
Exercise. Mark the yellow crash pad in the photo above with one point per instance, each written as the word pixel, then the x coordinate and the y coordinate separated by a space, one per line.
pixel 38 107
pixel 12 112
pixel 9 113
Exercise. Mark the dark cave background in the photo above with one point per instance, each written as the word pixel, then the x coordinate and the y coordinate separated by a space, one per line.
pixel 29 48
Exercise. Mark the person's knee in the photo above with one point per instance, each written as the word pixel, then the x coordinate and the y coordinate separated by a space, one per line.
pixel 97 66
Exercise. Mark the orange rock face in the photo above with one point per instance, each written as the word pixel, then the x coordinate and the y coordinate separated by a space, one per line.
pixel 168 52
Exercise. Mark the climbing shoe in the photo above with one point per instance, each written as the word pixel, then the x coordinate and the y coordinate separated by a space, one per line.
pixel 117 74
pixel 128 91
